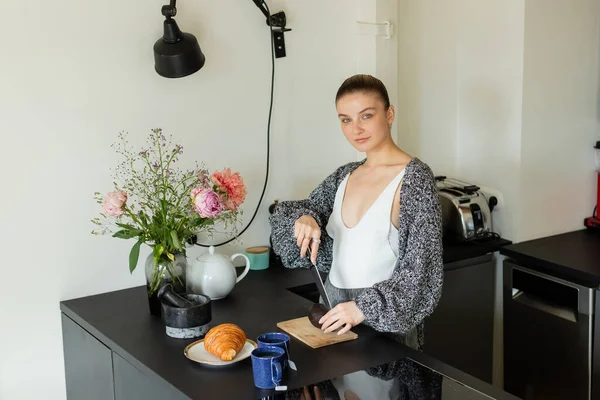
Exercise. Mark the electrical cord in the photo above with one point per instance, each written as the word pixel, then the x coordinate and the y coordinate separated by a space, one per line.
pixel 268 140
pixel 485 235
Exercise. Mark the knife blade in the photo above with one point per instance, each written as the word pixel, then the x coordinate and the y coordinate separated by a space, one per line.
pixel 319 282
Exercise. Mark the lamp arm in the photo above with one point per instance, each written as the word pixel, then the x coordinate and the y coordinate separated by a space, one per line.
pixel 261 5
pixel 170 10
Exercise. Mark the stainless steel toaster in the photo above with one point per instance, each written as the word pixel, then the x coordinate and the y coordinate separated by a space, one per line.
pixel 466 213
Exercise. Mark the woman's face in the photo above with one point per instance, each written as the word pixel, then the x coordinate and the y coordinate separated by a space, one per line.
pixel 365 121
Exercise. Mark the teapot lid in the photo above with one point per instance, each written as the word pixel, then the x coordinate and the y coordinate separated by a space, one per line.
pixel 211 256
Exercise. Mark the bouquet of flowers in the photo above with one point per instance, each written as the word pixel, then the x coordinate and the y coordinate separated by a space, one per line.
pixel 155 203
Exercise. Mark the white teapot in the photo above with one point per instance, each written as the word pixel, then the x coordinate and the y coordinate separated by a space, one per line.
pixel 213 274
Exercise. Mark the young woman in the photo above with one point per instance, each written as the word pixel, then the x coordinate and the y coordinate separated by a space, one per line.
pixel 375 226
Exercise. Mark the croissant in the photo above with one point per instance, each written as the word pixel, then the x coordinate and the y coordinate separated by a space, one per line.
pixel 225 341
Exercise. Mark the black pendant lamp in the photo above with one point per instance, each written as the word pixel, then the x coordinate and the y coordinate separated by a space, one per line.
pixel 176 54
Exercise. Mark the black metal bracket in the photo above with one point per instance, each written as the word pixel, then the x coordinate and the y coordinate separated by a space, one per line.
pixel 277 23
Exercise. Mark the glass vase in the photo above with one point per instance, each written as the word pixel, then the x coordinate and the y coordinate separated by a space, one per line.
pixel 166 271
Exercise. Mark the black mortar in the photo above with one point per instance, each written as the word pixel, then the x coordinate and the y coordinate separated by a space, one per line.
pixel 198 314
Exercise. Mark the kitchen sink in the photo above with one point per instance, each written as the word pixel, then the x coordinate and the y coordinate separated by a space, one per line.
pixel 308 291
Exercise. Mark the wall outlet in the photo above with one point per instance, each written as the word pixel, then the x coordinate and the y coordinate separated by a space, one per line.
pixel 489 192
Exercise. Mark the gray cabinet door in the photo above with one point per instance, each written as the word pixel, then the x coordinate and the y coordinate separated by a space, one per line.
pixel 88 364
pixel 131 384
pixel 460 332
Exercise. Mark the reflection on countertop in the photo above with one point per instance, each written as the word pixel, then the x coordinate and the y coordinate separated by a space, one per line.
pixel 403 379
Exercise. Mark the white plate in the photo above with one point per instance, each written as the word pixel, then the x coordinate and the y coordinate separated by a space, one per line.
pixel 196 352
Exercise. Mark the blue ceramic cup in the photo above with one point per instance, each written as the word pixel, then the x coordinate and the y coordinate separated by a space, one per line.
pixel 267 366
pixel 277 339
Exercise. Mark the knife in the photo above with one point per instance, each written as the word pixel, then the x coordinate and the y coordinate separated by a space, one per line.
pixel 319 282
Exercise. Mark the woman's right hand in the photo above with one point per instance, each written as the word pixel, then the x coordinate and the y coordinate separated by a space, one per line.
pixel 306 230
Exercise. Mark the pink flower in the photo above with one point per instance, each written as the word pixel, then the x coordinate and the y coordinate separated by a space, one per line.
pixel 206 202
pixel 113 203
pixel 232 186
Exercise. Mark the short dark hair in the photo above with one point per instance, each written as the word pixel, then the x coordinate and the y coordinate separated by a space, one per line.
pixel 364 83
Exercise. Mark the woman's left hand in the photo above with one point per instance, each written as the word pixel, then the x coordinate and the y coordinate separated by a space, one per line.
pixel 344 314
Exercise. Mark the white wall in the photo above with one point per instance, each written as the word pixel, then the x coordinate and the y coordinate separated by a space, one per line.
pixel 560 115
pixel 505 95
pixel 82 72
pixel 460 76
pixel 489 79
pixel 377 55
pixel 427 82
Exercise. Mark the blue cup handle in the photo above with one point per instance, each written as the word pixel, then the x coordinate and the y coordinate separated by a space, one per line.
pixel 277 371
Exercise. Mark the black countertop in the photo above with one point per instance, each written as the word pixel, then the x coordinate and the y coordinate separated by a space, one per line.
pixel 458 251
pixel 573 256
pixel 121 320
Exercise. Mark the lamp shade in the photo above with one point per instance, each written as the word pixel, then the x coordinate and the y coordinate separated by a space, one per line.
pixel 177 54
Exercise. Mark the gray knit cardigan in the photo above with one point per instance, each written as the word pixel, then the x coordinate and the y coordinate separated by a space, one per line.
pixel 400 303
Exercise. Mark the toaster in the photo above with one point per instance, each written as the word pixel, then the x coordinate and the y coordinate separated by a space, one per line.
pixel 466 213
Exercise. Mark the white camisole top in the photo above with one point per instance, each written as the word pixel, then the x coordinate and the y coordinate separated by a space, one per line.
pixel 366 253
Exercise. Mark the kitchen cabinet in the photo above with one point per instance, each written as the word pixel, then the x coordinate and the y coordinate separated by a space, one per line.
pixel 95 372
pixel 548 325
pixel 555 346
pixel 460 331
pixel 131 384
pixel 88 364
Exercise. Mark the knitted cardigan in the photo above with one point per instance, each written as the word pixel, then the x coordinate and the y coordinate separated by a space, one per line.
pixel 400 303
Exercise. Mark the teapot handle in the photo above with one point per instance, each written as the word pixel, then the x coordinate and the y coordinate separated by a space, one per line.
pixel 233 257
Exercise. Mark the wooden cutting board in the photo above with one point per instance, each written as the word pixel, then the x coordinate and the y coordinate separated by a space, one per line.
pixel 302 329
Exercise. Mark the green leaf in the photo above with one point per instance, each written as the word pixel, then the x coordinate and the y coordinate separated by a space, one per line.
pixel 134 255
pixel 175 239
pixel 164 206
pixel 126 226
pixel 199 222
pixel 157 253
pixel 127 234
pixel 143 217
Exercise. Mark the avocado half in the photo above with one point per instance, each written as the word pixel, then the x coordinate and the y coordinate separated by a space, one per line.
pixel 315 313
